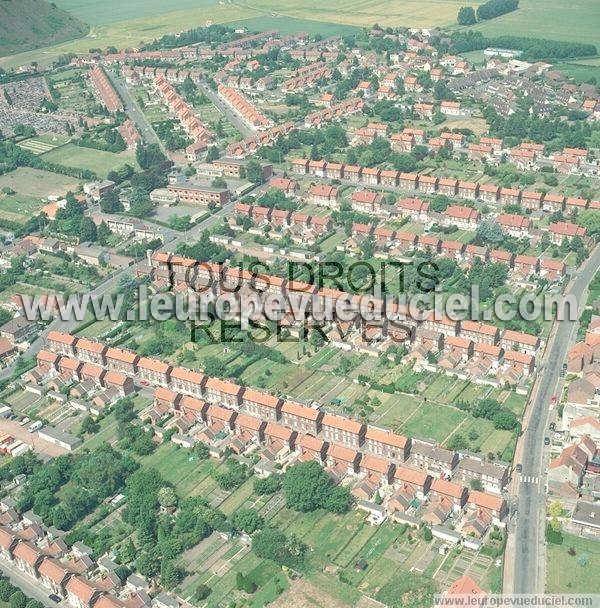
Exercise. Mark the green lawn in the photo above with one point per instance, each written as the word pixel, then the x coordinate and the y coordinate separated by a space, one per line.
pixel 19 207
pixel 37 183
pixel 87 158
pixel 567 573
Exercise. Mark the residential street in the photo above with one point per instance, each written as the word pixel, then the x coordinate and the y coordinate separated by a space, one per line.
pixel 528 542
pixel 26 584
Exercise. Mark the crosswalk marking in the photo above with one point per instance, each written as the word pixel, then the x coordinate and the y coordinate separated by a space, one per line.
pixel 529 479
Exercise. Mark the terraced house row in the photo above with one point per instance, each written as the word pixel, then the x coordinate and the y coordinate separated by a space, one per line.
pixel 104 90
pixel 247 111
pixel 450 187
pixel 183 112
pixel 344 445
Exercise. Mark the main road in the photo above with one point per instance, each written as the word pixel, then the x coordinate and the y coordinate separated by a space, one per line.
pixel 528 543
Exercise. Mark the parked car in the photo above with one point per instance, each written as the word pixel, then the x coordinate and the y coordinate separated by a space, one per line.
pixel 546 440
pixel 24 421
pixel 55 598
pixel 519 468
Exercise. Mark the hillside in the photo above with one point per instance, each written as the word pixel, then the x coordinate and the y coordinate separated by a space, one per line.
pixel 29 24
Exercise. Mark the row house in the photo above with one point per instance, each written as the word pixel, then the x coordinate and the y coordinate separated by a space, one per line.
pixel 122 361
pixel 468 190
pixel 365 201
pixel 447 186
pixel 61 343
pixel 454 492
pixel 464 218
pixel 531 200
pixel 342 459
pixel 218 417
pixel 424 110
pixel 334 171
pixel 514 224
pixel 249 428
pixel 418 480
pixel 27 558
pixel 54 576
pixel 452 249
pixel 90 351
pixel 480 332
pixel 526 265
pixel 278 437
pixel 262 405
pixel 493 476
pixel 154 371
pixel 452 140
pixel 388 177
pixel 574 205
pixel 289 187
pixel 475 252
pixel 402 143
pixel 340 430
pixel 553 203
pixel 520 341
pixel 417 134
pixel 307 420
pixel 414 208
pixel 510 196
pixel 560 231
pixel 81 593
pixel 324 196
pixel 437 461
pixel 494 505
pixel 311 448
pixel 187 381
pixel 494 142
pixel 223 391
pixel 408 181
pixel 499 256
pixel 489 193
pixel 377 468
pixel 353 173
pixel 428 184
pixel 385 443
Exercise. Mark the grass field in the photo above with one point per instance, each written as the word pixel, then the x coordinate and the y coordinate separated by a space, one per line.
pixel 576 21
pixel 19 207
pixel 566 573
pixel 86 158
pixel 36 183
pixel 43 143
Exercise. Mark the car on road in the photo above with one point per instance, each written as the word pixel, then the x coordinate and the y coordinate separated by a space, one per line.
pixel 55 598
pixel 519 468
pixel 546 440
pixel 553 399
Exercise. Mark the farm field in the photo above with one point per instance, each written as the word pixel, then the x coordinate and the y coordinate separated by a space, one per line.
pixel 87 158
pixel 362 14
pixel 552 19
pixel 38 183
pixel 43 143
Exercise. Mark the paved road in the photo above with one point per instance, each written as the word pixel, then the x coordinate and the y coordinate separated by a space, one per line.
pixel 134 112
pixel 529 541
pixel 231 116
pixel 27 585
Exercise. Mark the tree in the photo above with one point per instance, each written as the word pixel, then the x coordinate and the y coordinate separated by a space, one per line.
pixel 167 497
pixel 254 172
pixel 18 600
pixel 267 485
pixel 247 520
pixel 457 442
pixel 89 426
pixel 427 535
pixel 555 509
pixel 243 583
pixel 307 487
pixel 88 230
pixel 476 485
pixel 466 16
pixel 110 202
pixel 202 592
pixel 140 203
